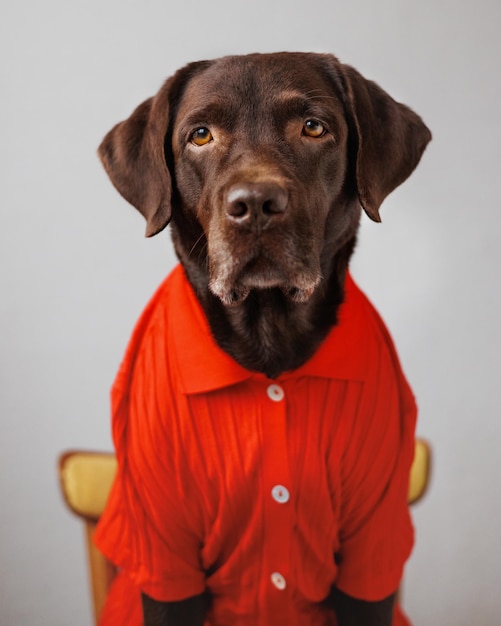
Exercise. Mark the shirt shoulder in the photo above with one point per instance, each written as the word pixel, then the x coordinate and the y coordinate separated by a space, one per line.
pixel 153 319
pixel 359 347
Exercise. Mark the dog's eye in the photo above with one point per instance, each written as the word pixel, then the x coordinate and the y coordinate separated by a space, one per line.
pixel 201 136
pixel 313 128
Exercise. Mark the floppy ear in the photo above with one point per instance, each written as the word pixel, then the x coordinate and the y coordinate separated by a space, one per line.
pixel 133 153
pixel 133 156
pixel 390 139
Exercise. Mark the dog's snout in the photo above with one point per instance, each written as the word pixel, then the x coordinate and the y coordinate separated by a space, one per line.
pixel 256 203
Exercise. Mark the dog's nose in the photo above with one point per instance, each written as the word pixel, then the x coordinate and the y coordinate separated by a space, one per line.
pixel 256 204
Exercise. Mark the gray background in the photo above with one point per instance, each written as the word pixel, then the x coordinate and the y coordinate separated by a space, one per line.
pixel 76 270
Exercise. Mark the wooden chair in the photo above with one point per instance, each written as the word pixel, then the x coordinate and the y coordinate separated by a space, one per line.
pixel 86 479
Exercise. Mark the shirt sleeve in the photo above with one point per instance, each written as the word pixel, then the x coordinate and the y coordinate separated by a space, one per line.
pixel 147 528
pixel 376 532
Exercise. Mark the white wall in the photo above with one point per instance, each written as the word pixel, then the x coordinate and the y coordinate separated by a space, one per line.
pixel 76 271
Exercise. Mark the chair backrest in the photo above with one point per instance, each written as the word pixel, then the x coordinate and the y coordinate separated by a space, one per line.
pixel 420 471
pixel 86 479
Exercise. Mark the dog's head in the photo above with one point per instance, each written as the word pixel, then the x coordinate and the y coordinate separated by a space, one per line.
pixel 263 162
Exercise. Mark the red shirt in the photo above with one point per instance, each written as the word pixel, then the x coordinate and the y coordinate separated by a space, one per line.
pixel 266 492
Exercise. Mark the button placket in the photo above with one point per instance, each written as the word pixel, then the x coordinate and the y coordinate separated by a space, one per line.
pixel 277 508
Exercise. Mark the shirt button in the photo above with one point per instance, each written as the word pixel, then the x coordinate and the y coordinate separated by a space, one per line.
pixel 275 393
pixel 278 580
pixel 280 494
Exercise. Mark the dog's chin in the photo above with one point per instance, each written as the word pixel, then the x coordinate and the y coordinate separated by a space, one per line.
pixel 234 294
pixel 300 295
pixel 230 297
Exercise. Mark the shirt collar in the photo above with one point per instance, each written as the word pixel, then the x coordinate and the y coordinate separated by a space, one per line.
pixel 203 366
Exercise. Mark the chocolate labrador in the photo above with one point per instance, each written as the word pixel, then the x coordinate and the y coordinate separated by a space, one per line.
pixel 262 164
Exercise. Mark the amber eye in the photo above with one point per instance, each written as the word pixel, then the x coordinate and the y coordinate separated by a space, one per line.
pixel 201 136
pixel 313 128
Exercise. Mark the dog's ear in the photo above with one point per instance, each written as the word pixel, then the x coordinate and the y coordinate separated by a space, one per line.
pixel 390 139
pixel 133 153
pixel 133 156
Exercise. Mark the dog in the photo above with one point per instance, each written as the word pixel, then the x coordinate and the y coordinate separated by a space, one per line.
pixel 262 164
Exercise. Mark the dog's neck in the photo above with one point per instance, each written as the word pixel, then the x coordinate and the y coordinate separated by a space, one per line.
pixel 267 332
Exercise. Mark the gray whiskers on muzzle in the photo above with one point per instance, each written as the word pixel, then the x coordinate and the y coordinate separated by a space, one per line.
pixel 232 293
